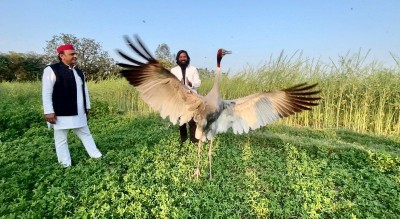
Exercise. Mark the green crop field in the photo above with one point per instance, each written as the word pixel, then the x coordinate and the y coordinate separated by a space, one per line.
pixel 340 160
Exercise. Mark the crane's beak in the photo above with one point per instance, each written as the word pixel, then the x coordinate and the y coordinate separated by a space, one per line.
pixel 225 52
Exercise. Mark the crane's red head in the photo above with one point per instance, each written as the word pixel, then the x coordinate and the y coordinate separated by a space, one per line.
pixel 220 54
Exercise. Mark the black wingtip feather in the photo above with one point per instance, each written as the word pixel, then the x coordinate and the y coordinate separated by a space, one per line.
pixel 123 65
pixel 129 58
pixel 301 87
pixel 140 49
pixel 145 55
pixel 302 97
pixel 140 42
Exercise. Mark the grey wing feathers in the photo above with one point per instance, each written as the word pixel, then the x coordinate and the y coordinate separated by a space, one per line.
pixel 257 110
pixel 157 86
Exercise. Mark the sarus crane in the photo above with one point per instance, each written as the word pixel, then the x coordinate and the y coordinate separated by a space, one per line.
pixel 160 89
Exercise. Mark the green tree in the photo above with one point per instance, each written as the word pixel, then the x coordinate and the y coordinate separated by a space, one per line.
pixel 164 56
pixel 33 64
pixel 5 73
pixel 20 66
pixel 95 63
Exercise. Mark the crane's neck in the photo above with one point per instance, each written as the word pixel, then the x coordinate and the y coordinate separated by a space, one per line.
pixel 215 88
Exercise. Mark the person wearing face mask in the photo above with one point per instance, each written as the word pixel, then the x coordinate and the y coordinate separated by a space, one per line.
pixel 189 76
pixel 66 104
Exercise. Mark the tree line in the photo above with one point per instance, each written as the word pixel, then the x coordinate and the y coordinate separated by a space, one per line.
pixel 92 59
pixel 96 63
pixel 21 67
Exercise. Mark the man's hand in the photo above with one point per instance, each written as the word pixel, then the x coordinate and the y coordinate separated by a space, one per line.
pixel 87 113
pixel 51 118
pixel 189 83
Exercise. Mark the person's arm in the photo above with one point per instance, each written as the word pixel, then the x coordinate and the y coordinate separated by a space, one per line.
pixel 87 96
pixel 177 73
pixel 196 82
pixel 48 80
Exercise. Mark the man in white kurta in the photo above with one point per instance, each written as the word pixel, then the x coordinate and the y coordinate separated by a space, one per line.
pixel 189 76
pixel 77 120
pixel 192 79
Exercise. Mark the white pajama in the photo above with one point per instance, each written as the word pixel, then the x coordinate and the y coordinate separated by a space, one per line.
pixel 61 143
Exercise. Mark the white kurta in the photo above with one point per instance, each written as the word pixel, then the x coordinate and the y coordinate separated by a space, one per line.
pixel 64 122
pixel 191 75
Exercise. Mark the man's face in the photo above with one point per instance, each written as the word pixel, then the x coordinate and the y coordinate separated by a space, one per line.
pixel 182 58
pixel 69 57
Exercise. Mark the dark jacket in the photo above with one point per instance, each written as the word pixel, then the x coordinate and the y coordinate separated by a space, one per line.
pixel 65 90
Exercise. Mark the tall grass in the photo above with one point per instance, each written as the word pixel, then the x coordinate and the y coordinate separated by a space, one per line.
pixel 117 96
pixel 358 96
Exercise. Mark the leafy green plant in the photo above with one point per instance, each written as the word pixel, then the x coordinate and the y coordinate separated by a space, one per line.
pixel 321 164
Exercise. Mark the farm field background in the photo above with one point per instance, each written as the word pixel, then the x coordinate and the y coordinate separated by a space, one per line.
pixel 340 160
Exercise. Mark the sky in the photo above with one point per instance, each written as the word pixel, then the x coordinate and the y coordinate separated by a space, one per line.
pixel 253 30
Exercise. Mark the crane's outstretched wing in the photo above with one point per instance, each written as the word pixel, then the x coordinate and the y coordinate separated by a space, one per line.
pixel 158 87
pixel 257 110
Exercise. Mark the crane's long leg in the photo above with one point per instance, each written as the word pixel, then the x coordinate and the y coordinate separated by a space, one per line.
pixel 197 171
pixel 210 156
